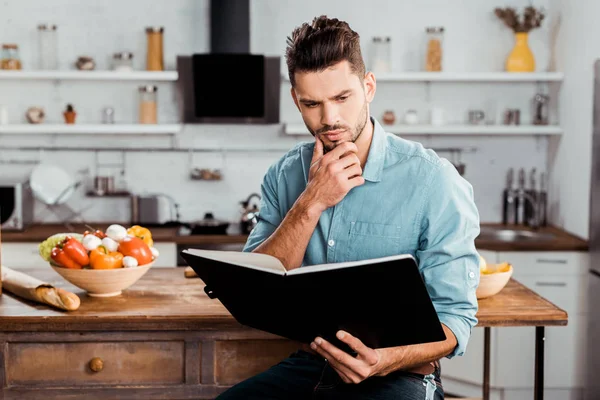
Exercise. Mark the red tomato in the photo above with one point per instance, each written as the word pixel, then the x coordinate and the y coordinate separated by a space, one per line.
pixel 136 248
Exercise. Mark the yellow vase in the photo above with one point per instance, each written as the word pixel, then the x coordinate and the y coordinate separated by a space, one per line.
pixel 521 57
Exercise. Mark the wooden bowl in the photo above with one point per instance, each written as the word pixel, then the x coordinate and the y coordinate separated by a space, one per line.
pixel 103 282
pixel 492 283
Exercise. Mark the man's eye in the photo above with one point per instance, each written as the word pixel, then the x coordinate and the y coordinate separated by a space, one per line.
pixel 343 98
pixel 311 105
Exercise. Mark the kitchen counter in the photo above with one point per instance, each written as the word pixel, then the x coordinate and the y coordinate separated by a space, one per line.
pixel 563 241
pixel 165 338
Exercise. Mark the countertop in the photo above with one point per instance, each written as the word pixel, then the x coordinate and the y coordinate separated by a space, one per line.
pixel 163 299
pixel 564 241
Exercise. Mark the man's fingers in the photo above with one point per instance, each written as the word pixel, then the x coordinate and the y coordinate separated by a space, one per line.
pixel 318 151
pixel 367 354
pixel 353 171
pixel 356 181
pixel 349 160
pixel 339 151
pixel 343 371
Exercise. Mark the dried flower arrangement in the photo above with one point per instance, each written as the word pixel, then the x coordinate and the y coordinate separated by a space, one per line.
pixel 532 18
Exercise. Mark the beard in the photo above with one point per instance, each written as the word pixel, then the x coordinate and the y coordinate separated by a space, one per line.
pixel 359 126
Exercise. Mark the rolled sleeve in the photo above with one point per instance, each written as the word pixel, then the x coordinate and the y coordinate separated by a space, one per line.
pixel 269 215
pixel 448 259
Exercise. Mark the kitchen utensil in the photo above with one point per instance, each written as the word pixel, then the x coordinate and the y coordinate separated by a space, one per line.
pixel 48 47
pixel 508 204
pixel 381 54
pixel 123 61
pixel 153 209
pixel 476 117
pixel 520 204
pixel 249 217
pixel 540 109
pixel 209 225
pixel 51 184
pixel 155 48
pixel 530 209
pixel 411 117
pixel 543 200
pixel 103 282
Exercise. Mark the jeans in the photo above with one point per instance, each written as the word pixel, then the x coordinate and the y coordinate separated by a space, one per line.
pixel 303 375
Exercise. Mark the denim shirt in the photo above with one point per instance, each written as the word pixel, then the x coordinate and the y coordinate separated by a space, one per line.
pixel 412 202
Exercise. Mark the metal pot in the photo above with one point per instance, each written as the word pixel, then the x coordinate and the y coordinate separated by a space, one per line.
pixel 208 226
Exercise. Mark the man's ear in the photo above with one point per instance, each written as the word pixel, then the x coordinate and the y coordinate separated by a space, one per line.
pixel 370 86
pixel 293 92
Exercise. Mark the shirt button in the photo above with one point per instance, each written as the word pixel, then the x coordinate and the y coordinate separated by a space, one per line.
pixel 331 243
pixel 471 274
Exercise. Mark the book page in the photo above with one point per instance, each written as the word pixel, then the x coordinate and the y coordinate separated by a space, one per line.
pixel 323 267
pixel 258 261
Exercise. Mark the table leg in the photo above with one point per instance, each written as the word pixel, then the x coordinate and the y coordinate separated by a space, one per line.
pixel 487 332
pixel 538 393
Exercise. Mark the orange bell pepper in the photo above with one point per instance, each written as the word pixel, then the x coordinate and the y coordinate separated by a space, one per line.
pixel 142 233
pixel 101 258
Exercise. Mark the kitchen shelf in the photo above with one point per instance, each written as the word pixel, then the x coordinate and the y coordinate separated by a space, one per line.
pixel 94 75
pixel 110 194
pixel 500 130
pixel 467 77
pixel 86 129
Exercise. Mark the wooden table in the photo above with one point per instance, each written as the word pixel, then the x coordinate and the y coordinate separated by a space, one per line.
pixel 163 338
pixel 517 305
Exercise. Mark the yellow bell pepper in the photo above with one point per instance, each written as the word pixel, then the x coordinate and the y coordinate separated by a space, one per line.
pixel 142 233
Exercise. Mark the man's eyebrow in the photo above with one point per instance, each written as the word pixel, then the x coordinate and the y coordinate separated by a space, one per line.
pixel 341 94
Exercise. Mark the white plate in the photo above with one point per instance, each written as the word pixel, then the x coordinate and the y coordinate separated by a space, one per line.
pixel 51 184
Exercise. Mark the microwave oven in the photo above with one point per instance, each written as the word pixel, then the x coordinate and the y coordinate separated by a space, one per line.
pixel 229 88
pixel 16 206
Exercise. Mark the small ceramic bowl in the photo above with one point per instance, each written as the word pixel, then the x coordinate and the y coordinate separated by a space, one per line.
pixel 103 282
pixel 493 282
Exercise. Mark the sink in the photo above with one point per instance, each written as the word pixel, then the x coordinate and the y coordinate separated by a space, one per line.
pixel 513 235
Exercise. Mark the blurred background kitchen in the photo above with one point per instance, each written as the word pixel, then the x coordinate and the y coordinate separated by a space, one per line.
pixel 104 116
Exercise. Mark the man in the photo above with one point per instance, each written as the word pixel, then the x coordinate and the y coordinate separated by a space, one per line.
pixel 356 193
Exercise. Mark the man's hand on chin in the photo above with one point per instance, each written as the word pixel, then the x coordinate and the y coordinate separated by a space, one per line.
pixel 368 362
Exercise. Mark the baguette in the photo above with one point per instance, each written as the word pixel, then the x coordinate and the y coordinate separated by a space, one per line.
pixel 30 288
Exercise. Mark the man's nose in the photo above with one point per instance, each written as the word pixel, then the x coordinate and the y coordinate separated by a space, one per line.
pixel 329 114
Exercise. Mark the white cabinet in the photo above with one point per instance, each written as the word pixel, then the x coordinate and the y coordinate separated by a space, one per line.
pixel 559 277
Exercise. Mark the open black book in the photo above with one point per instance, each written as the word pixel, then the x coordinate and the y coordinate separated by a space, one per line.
pixel 384 302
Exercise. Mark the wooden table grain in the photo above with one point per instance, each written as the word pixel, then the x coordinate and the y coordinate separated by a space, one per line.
pixel 164 309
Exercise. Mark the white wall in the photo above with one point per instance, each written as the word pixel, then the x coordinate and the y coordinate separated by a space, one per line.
pixel 475 41
pixel 571 156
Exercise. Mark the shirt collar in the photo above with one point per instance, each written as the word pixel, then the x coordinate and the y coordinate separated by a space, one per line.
pixel 376 158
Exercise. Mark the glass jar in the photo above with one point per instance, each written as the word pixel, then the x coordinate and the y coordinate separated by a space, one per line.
pixel 148 104
pixel 10 57
pixel 434 49
pixel 47 47
pixel 154 54
pixel 123 61
pixel 381 54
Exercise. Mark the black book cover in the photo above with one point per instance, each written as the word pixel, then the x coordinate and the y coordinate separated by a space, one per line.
pixel 383 302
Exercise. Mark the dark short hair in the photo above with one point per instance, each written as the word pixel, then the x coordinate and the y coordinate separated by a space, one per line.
pixel 321 44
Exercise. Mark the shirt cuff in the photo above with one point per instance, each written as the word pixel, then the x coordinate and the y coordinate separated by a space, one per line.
pixel 460 328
